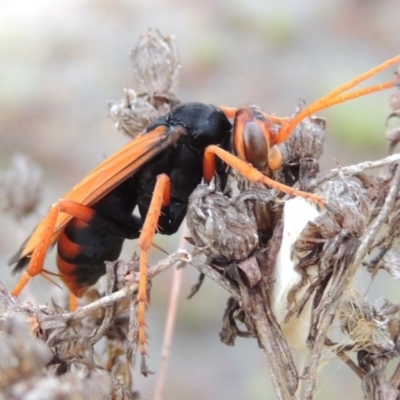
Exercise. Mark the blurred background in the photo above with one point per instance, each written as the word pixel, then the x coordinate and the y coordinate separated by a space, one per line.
pixel 61 62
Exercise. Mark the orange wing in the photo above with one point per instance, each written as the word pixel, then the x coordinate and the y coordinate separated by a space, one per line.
pixel 105 177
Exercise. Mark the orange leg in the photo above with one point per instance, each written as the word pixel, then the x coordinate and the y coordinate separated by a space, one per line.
pixel 35 266
pixel 250 173
pixel 336 96
pixel 73 302
pixel 36 263
pixel 161 196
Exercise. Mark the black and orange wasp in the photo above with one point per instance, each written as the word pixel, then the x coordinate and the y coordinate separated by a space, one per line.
pixel 156 173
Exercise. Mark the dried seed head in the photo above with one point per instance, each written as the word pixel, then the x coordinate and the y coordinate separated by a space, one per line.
pixel 156 64
pixel 393 136
pixel 80 384
pixel 348 214
pixel 219 227
pixel 132 114
pixel 350 204
pixel 372 327
pixel 307 141
pixel 391 260
pixel 302 151
pixel 23 356
pixel 394 101
pixel 20 187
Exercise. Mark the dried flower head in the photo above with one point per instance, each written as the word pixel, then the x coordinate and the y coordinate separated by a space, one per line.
pixel 20 187
pixel 22 355
pixel 372 327
pixel 302 152
pixel 132 114
pixel 219 226
pixel 156 64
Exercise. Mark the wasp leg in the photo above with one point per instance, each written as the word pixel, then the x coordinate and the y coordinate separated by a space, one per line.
pixel 35 266
pixel 87 242
pixel 161 196
pixel 82 213
pixel 250 173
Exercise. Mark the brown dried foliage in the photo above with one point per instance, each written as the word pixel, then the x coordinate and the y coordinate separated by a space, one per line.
pixel 56 353
pixel 20 187
pixel 156 69
pixel 359 230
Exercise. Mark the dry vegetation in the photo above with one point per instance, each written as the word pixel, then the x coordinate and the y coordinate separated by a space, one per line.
pixel 48 351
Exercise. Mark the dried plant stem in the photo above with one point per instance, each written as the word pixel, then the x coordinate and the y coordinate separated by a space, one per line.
pixel 326 317
pixel 357 168
pixel 109 312
pixel 341 353
pixel 395 379
pixel 256 305
pixel 332 293
pixel 133 332
pixel 181 256
pixel 220 280
pixel 282 368
pixel 170 324
pixel 379 221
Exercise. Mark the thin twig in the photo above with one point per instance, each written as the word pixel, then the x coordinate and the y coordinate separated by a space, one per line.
pixel 216 277
pixel 372 232
pixel 133 332
pixel 357 168
pixel 282 368
pixel 109 312
pixel 341 353
pixel 181 256
pixel 170 324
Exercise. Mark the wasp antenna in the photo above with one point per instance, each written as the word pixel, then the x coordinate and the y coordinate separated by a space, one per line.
pixel 336 96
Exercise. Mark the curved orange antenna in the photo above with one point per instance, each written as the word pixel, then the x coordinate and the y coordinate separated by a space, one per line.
pixel 336 96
